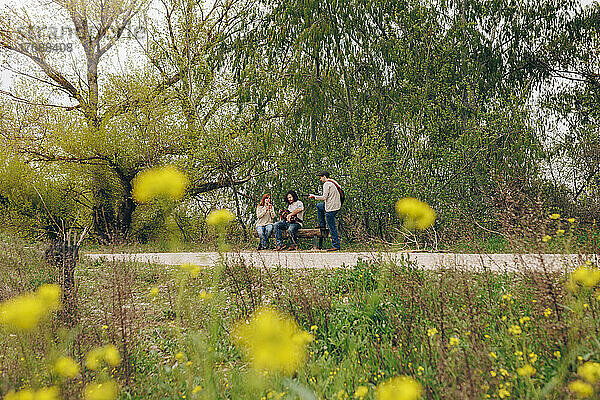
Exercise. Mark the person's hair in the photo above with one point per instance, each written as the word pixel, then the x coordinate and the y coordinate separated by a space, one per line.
pixel 294 196
pixel 325 174
pixel 262 199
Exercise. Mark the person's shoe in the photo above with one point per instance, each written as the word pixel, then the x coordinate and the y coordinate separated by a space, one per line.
pixel 333 249
pixel 280 247
pixel 292 248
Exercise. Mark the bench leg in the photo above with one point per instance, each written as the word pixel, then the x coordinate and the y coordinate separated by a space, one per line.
pixel 320 242
pixel 315 243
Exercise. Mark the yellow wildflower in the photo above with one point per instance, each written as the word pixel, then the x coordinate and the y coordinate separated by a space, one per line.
pixel 454 341
pixel 101 391
pixel 546 238
pixel 533 357
pixel 571 220
pixel 503 393
pixel 94 358
pixel 179 356
pixel 432 332
pixel 24 312
pixel 272 341
pixel 192 269
pixel 204 295
pixel 66 367
pixel 50 393
pixel 526 370
pixel 50 296
pixel 557 355
pixel 342 395
pixel 581 389
pixel 504 372
pixel 493 373
pixel 415 213
pixel 554 216
pixel 220 218
pixel 590 371
pixel 111 355
pixel 560 232
pixel 515 330
pixel 361 392
pixel 547 312
pixel 586 276
pixel 399 388
pixel 158 182
pixel 524 320
pixel 153 292
pixel 108 354
pixel 197 389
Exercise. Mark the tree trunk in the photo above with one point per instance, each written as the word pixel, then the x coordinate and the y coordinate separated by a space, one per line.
pixel 63 255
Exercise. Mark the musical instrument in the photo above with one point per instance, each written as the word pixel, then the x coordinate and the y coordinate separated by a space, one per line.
pixel 284 214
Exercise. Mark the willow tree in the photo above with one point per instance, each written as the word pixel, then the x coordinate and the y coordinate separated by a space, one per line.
pixel 163 108
pixel 405 97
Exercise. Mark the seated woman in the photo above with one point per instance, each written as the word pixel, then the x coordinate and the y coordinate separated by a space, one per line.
pixel 291 221
pixel 264 221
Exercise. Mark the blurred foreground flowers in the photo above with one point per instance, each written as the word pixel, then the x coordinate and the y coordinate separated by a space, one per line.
pixel 24 312
pixel 158 182
pixel 399 388
pixel 272 341
pixel 220 218
pixel 415 213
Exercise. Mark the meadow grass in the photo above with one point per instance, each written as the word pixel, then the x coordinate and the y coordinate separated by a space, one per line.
pixel 460 334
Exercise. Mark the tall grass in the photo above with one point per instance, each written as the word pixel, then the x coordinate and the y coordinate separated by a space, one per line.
pixel 460 334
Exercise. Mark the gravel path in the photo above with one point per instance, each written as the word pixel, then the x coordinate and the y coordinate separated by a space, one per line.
pixel 310 259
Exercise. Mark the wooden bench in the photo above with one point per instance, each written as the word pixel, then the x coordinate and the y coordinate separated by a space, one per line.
pixel 316 234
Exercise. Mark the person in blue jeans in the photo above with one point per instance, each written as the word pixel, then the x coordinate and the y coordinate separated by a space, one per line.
pixel 292 222
pixel 327 211
pixel 265 213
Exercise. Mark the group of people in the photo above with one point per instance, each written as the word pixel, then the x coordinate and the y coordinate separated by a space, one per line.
pixel 292 217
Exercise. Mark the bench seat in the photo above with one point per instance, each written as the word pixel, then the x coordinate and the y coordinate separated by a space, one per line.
pixel 316 234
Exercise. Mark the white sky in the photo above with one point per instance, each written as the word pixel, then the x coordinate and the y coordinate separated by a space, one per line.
pixel 118 60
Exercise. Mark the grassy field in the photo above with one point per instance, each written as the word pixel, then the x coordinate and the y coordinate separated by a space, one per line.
pixel 457 335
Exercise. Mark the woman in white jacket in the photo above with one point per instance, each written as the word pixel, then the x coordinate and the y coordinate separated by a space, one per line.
pixel 265 213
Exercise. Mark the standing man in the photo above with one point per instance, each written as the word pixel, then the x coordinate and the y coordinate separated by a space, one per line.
pixel 333 197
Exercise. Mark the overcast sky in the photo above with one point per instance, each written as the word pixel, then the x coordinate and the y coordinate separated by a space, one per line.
pixel 118 60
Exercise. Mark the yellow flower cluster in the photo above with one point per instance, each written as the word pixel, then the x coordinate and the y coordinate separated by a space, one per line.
pixel 220 218
pixel 101 391
pixel 24 312
pixel 546 238
pixel 66 367
pixel 50 393
pixel 582 388
pixel 272 341
pixel 361 392
pixel 586 276
pixel 590 371
pixel 526 370
pixel 191 269
pixel 416 213
pixel 432 332
pixel 108 354
pixel 157 182
pixel 399 388
pixel 515 330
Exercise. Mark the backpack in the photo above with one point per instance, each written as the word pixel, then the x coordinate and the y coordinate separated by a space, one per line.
pixel 340 190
